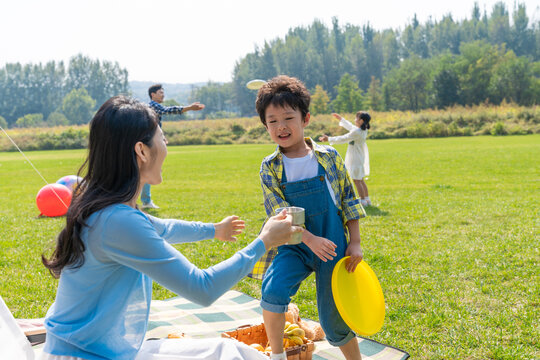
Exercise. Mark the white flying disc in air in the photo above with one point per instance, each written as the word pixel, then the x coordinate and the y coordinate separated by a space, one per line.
pixel 255 84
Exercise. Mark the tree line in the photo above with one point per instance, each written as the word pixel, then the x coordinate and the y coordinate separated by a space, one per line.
pixel 487 58
pixel 53 94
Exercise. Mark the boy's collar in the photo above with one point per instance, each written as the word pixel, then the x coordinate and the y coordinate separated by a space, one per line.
pixel 309 141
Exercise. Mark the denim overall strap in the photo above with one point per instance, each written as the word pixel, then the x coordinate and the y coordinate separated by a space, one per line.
pixel 322 218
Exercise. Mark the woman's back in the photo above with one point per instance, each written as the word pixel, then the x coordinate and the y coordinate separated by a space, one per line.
pixel 103 298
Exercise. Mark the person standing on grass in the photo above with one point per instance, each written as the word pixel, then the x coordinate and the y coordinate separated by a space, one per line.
pixel 357 157
pixel 311 176
pixel 109 251
pixel 157 94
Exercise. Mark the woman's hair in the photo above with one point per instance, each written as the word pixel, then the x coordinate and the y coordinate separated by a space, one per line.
pixel 283 91
pixel 364 116
pixel 112 173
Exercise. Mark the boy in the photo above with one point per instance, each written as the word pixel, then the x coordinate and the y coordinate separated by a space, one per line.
pixel 302 173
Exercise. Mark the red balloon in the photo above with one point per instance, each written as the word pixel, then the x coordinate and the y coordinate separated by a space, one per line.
pixel 53 200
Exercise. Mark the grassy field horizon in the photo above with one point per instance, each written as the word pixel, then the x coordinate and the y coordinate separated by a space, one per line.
pixel 453 235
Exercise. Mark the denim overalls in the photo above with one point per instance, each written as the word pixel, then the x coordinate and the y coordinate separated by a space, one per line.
pixel 294 263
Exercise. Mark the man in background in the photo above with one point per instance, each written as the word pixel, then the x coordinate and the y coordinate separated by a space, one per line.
pixel 157 94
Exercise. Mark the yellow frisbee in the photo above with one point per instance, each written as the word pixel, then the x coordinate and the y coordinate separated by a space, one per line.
pixel 358 297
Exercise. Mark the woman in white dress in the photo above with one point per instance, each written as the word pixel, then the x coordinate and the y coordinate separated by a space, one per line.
pixel 357 157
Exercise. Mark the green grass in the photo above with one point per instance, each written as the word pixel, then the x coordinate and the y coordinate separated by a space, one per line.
pixel 453 236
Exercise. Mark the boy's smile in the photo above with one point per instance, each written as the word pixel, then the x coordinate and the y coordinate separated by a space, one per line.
pixel 286 128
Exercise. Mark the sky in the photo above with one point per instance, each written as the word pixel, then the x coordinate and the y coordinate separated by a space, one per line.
pixel 178 41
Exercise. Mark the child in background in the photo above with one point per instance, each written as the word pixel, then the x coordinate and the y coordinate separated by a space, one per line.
pixel 304 174
pixel 357 157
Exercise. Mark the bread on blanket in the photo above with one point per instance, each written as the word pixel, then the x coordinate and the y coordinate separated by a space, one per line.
pixel 313 333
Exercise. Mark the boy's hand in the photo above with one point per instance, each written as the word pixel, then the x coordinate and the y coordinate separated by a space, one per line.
pixel 354 250
pixel 322 247
pixel 227 228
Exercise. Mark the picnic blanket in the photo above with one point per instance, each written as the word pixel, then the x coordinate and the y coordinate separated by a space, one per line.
pixel 235 309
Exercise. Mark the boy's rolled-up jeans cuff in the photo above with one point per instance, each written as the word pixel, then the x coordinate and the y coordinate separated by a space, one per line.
pixel 279 309
pixel 341 342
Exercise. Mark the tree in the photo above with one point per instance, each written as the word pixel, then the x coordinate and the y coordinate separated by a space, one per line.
pixel 268 68
pixel 349 96
pixel 522 36
pixel 30 120
pixel 78 106
pixel 217 98
pixel 356 54
pixel 447 36
pixel 499 24
pixel 511 80
pixel 101 79
pixel 390 50
pixel 446 86
pixel 320 101
pixel 408 86
pixel 475 68
pixel 3 122
pixel 56 119
pixel 374 94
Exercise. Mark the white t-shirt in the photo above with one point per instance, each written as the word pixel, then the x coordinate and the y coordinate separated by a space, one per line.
pixel 304 168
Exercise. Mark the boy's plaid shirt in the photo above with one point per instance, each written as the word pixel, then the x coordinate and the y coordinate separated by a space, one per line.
pixel 271 174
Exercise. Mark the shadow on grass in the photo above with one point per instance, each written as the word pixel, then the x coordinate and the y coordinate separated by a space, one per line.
pixel 375 211
pixel 41 216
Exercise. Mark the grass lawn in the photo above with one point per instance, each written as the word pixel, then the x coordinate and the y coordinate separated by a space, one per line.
pixel 453 235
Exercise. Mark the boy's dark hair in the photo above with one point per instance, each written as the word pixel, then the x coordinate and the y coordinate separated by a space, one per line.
pixel 153 89
pixel 283 91
pixel 366 117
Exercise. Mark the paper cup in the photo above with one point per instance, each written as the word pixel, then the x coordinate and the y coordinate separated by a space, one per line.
pixel 298 219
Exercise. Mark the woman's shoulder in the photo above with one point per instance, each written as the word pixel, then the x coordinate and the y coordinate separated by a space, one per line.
pixel 117 223
pixel 118 214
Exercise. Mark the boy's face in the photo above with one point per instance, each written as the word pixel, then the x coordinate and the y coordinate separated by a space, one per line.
pixel 286 127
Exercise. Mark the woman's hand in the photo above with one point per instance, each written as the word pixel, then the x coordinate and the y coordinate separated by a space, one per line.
pixel 324 137
pixel 337 116
pixel 278 230
pixel 354 250
pixel 227 228
pixel 322 247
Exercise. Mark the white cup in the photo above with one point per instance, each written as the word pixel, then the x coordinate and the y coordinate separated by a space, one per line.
pixel 298 219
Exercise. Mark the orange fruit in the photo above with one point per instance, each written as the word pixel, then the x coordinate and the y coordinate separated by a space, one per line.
pixel 257 347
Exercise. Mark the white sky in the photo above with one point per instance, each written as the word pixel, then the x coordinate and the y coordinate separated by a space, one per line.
pixel 179 41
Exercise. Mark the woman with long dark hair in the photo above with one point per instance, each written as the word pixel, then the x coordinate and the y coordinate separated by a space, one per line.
pixel 109 252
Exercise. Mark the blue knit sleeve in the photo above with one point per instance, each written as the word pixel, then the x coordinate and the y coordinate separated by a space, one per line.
pixel 181 231
pixel 128 237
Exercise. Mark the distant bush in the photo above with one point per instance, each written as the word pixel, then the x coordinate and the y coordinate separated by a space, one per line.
pixel 498 129
pixel 456 121
pixel 57 119
pixel 29 120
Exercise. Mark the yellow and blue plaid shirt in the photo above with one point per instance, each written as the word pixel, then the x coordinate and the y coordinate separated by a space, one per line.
pixel 271 174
